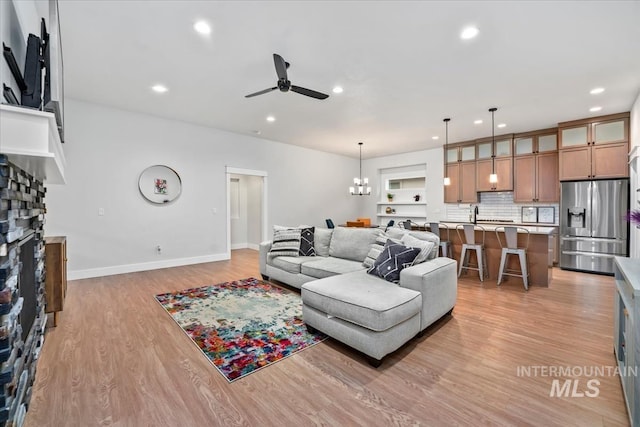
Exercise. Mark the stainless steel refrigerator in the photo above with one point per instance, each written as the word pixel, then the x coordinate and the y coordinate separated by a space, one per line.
pixel 593 228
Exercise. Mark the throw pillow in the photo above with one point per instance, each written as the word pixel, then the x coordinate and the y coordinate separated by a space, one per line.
pixel 306 242
pixel 375 250
pixel 321 241
pixel 424 246
pixel 393 259
pixel 286 242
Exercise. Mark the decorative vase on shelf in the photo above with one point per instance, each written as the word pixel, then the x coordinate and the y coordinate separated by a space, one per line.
pixel 389 210
pixel 416 197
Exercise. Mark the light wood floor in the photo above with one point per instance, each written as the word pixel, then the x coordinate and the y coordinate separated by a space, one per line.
pixel 116 358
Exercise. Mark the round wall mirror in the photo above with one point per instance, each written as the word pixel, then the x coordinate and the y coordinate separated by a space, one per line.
pixel 160 184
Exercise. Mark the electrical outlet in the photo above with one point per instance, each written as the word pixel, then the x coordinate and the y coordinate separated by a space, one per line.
pixel 100 211
pixel 214 211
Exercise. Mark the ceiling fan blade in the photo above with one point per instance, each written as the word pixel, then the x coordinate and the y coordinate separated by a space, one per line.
pixel 309 92
pixel 281 66
pixel 261 92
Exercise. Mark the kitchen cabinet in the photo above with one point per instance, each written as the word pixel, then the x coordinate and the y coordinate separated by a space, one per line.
pixel 463 183
pixel 594 148
pixel 504 170
pixel 597 161
pixel 626 333
pixel 499 148
pixel 540 141
pixel 535 169
pixel 536 178
pixel 461 170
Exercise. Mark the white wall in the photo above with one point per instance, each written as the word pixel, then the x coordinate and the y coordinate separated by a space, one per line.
pixel 434 195
pixel 634 174
pixel 107 149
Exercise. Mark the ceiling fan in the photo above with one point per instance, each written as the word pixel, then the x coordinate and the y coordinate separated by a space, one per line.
pixel 284 84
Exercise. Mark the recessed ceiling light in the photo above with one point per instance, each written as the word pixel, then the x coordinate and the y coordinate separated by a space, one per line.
pixel 435 137
pixel 271 119
pixel 469 33
pixel 596 90
pixel 338 89
pixel 477 122
pixel 502 125
pixel 202 27
pixel 159 88
pixel 594 109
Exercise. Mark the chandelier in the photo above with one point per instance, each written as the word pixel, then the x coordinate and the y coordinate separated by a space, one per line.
pixel 361 185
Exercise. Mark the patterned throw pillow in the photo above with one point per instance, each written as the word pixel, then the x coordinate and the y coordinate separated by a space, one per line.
pixel 307 242
pixel 286 242
pixel 392 260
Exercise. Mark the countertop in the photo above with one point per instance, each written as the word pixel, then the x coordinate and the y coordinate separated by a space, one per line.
pixel 630 269
pixel 491 226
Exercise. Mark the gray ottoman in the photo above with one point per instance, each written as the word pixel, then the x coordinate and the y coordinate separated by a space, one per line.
pixel 365 312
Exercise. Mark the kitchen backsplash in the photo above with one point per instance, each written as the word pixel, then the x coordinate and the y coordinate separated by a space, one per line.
pixel 494 206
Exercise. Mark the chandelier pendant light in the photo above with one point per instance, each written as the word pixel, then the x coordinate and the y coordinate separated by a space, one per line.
pixel 447 180
pixel 493 178
pixel 361 185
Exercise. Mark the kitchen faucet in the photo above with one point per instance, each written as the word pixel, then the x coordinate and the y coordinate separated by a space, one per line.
pixel 475 214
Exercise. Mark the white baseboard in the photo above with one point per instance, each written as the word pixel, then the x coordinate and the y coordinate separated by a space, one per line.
pixel 253 246
pixel 145 266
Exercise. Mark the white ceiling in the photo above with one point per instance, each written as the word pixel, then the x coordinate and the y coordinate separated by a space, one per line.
pixel 402 65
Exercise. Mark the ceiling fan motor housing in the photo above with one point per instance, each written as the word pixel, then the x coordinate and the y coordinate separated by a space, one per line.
pixel 284 85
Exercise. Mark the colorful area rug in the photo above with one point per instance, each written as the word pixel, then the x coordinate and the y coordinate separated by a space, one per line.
pixel 241 326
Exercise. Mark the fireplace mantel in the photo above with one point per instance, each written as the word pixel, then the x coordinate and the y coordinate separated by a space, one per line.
pixel 31 141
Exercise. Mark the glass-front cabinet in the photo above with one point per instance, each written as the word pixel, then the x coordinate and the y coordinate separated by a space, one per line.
pixel 461 153
pixel 536 142
pixel 600 130
pixel 594 148
pixel 502 148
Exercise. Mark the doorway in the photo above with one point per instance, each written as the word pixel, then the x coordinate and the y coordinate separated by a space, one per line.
pixel 246 209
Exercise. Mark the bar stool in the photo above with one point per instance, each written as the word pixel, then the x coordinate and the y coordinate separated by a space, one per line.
pixel 471 245
pixel 445 244
pixel 511 248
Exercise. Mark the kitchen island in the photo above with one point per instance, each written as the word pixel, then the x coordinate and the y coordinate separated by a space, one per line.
pixel 539 252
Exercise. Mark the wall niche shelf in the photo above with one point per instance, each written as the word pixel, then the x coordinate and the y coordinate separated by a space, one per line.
pixel 404 183
pixel 402 203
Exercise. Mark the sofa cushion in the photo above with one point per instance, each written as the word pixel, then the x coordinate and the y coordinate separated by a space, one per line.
pixel 285 243
pixel 326 267
pixel 424 246
pixel 352 242
pixel 362 299
pixel 392 260
pixel 321 240
pixel 289 264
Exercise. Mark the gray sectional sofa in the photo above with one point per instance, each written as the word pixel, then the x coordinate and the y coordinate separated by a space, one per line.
pixel 361 310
